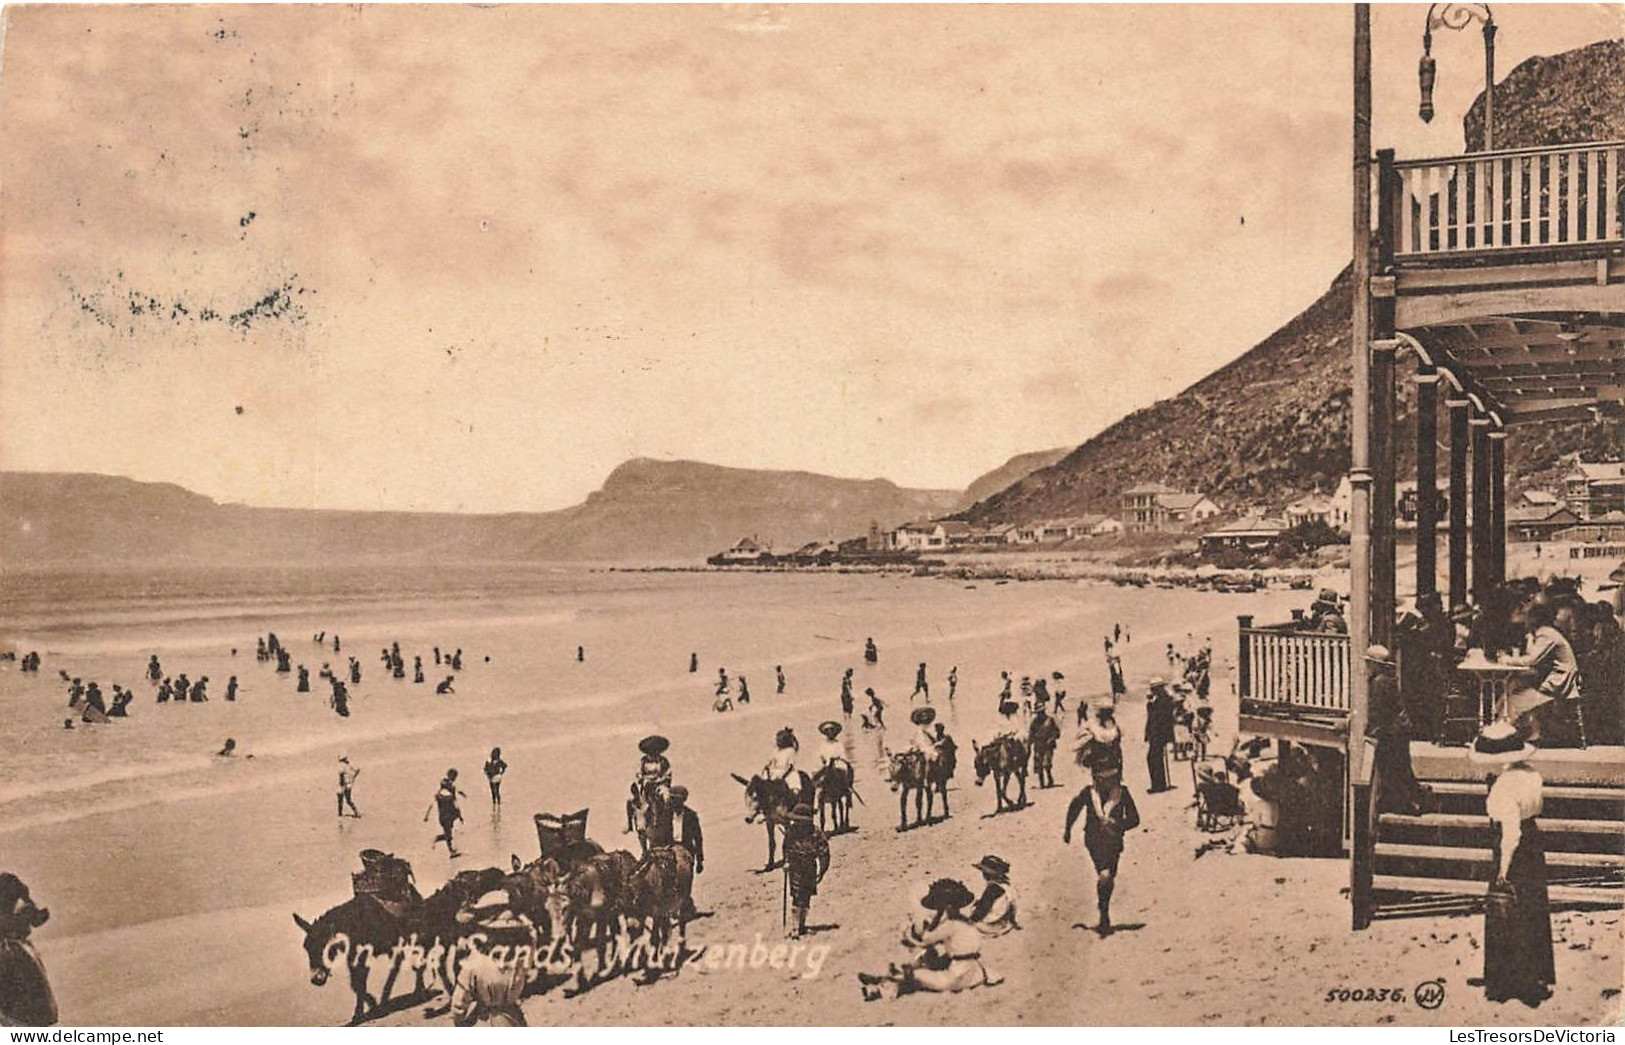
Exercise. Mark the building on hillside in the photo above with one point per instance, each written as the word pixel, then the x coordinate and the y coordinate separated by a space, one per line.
pixel 1316 507
pixel 995 535
pixel 1106 526
pixel 1541 499
pixel 1538 522
pixel 1027 533
pixel 1155 508
pixel 957 534
pixel 1249 533
pixel 1592 491
pixel 921 535
pixel 1610 529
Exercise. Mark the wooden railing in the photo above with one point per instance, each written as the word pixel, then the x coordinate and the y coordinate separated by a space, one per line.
pixel 1298 671
pixel 1515 199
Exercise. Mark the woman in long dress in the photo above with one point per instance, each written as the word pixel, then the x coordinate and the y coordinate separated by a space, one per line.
pixel 1518 960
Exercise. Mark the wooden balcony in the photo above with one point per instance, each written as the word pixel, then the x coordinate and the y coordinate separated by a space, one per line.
pixel 1293 684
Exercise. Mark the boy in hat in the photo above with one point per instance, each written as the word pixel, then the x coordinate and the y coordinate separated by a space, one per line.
pixel 995 910
pixel 25 994
pixel 806 861
pixel 1110 815
pixel 488 991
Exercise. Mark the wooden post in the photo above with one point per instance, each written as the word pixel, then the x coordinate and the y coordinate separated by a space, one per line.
pixel 1384 565
pixel 1244 664
pixel 1483 516
pixel 1498 506
pixel 1359 618
pixel 1427 473
pixel 1458 500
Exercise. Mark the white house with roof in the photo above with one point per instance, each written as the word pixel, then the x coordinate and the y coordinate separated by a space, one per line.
pixel 1250 533
pixel 920 535
pixel 1593 489
pixel 1155 508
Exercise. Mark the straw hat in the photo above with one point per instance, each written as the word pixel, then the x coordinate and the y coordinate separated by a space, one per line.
pixel 923 716
pixel 1158 682
pixel 654 745
pixel 1499 743
pixel 1379 653
pixel 830 728
pixel 994 868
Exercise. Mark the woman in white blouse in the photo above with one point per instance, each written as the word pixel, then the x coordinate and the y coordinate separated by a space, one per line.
pixel 1518 961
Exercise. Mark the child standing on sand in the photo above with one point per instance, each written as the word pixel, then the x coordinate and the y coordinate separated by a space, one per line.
pixel 445 800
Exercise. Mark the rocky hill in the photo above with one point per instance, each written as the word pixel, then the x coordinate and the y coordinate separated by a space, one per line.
pixel 647 511
pixel 1274 424
pixel 1011 471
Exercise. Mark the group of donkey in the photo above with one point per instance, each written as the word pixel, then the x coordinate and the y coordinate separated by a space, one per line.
pixel 629 913
pixel 831 791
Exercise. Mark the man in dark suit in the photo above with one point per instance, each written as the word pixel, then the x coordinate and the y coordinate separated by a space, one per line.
pixel 1159 733
pixel 686 827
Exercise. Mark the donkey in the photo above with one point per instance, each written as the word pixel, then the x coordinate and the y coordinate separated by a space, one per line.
pixel 912 773
pixel 833 791
pixel 587 906
pixel 363 928
pixel 772 801
pixel 1005 756
pixel 660 897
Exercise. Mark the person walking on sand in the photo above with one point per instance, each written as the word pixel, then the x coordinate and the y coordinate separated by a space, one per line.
pixel 953 680
pixel 744 690
pixel 346 792
pixel 920 684
pixel 417 669
pixel 877 707
pixel 231 689
pixel 778 672
pixel 806 862
pixel 495 768
pixel 1110 815
pixel 846 693
pixel 693 663
pixel 445 802
pixel 722 681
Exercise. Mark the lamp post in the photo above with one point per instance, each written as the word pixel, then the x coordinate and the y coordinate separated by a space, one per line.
pixel 1458 17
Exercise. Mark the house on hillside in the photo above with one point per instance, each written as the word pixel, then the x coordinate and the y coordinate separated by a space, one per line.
pixel 1538 522
pixel 1250 533
pixel 1155 508
pixel 1609 529
pixel 1592 491
pixel 994 536
pixel 957 534
pixel 1540 499
pixel 921 535
pixel 1105 527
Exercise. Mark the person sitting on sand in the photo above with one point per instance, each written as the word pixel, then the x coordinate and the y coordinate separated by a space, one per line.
pixel 229 750
pixel 25 994
pixel 445 686
pixel 722 704
pixel 950 955
pixel 200 690
pixel 457 659
pixel 871 653
pixel 995 910
pixel 165 691
pixel 154 670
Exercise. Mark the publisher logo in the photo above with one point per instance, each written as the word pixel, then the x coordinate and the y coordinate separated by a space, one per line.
pixel 1429 994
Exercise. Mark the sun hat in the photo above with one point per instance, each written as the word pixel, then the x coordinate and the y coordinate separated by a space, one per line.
pixel 1499 743
pixel 830 728
pixel 947 894
pixel 922 716
pixel 1378 652
pixel 653 745
pixel 994 867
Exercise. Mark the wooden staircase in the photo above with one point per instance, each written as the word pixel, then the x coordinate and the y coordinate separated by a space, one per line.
pixel 1440 862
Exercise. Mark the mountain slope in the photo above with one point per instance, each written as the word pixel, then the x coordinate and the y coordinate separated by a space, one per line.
pixel 646 511
pixel 1274 424
pixel 1011 471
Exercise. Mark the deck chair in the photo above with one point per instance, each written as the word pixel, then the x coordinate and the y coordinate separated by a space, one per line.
pixel 1218 803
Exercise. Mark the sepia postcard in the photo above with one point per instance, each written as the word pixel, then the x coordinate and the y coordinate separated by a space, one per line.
pixel 812 515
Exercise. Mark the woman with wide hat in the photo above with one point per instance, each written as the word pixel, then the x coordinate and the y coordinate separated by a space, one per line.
pixel 831 750
pixel 924 738
pixel 1518 961
pixel 951 956
pixel 654 773
pixel 487 992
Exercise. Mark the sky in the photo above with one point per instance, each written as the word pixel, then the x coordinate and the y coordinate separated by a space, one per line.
pixel 463 258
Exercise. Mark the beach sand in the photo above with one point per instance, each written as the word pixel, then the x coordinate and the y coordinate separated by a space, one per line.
pixel 172 875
